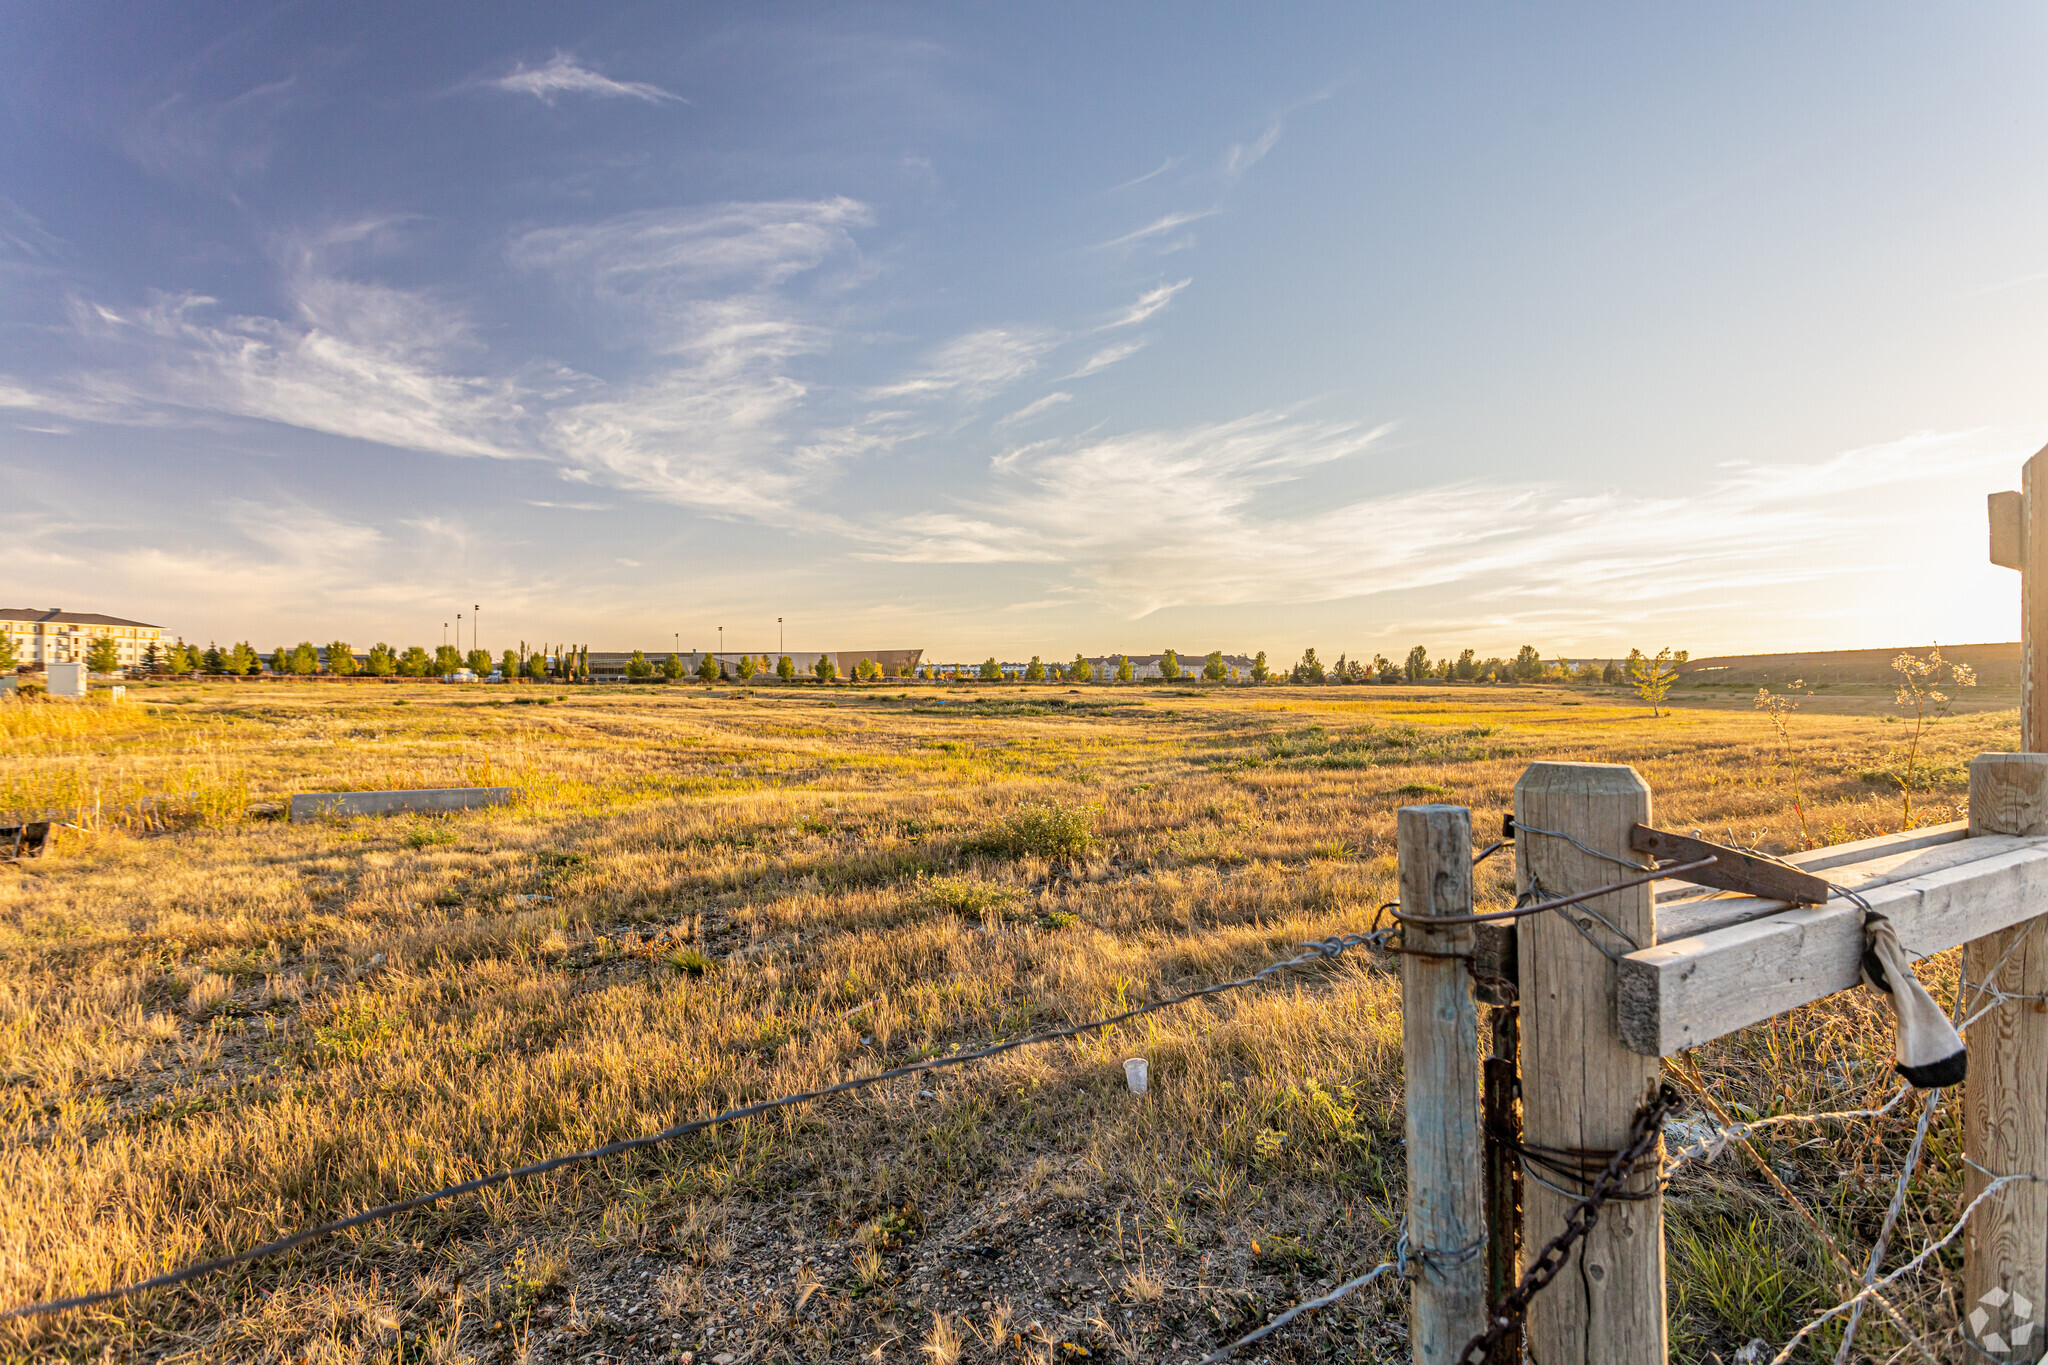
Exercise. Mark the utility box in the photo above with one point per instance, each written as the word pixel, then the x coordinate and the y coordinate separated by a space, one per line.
pixel 66 680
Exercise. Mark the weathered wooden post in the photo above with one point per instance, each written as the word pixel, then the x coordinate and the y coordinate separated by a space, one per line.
pixel 2005 1124
pixel 1440 1048
pixel 1580 1087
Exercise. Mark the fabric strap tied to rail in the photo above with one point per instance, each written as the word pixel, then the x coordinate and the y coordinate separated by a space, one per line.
pixel 1929 1052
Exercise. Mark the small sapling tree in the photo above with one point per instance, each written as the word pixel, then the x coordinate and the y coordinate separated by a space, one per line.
pixel 1124 671
pixel 785 668
pixel 1081 670
pixel 1213 669
pixel 103 656
pixel 673 668
pixel 747 668
pixel 1035 670
pixel 1920 682
pixel 637 667
pixel 1259 670
pixel 1651 677
pixel 1169 666
pixel 826 669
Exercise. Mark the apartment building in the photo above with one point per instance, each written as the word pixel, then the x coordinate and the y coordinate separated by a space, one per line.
pixel 57 636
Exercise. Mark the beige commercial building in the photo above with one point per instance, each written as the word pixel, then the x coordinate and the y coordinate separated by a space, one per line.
pixel 57 636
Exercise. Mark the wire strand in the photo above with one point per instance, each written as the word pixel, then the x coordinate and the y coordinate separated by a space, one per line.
pixel 1319 951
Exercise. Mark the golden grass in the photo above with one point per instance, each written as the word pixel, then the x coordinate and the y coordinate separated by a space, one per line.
pixel 216 1027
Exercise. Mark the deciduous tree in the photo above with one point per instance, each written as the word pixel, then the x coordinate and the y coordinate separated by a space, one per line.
pixel 1259 670
pixel 305 659
pixel 415 662
pixel 637 667
pixel 785 668
pixel 102 656
pixel 1035 670
pixel 1310 669
pixel 1213 668
pixel 382 660
pixel 1169 666
pixel 746 667
pixel 1528 665
pixel 341 659
pixel 1651 677
pixel 1081 670
pixel 1124 671
pixel 1417 667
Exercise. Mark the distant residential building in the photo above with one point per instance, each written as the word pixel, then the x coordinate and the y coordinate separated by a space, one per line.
pixel 57 636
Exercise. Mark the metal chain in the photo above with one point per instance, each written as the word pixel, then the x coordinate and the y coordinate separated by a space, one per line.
pixel 1643 1134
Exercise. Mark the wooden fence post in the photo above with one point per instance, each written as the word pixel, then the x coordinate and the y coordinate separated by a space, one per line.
pixel 1580 1087
pixel 1440 1048
pixel 2005 1123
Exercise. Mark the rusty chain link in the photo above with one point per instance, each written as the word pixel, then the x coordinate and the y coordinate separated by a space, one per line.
pixel 1643 1134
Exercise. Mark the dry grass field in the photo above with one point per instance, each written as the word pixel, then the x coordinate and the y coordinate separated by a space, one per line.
pixel 216 1026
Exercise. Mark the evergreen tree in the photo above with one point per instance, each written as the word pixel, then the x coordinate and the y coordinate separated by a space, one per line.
pixel 152 657
pixel 1035 670
pixel 103 656
pixel 341 659
pixel 212 660
pixel 785 668
pixel 1081 670
pixel 1611 673
pixel 1213 668
pixel 1169 666
pixel 1259 670
pixel 243 661
pixel 1124 671
pixel 826 669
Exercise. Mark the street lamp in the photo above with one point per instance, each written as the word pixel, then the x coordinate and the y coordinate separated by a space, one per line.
pixel 779 649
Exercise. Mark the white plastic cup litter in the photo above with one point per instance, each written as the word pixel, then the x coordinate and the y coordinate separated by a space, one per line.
pixel 1137 1075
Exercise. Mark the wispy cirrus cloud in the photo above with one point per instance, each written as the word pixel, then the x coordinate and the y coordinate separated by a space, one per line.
pixel 1149 302
pixel 1222 514
pixel 564 75
pixel 1036 408
pixel 1159 227
pixel 1110 355
pixel 976 364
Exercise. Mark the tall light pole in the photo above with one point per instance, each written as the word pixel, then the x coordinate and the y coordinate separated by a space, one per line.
pixel 474 611
pixel 779 649
pixel 458 632
pixel 721 639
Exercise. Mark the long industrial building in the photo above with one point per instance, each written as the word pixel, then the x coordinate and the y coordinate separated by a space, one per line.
pixel 894 662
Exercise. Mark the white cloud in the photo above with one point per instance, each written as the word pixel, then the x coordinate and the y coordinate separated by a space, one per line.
pixel 1110 355
pixel 1160 226
pixel 571 506
pixel 1149 302
pixel 362 361
pixel 1222 514
pixel 1242 156
pixel 564 75
pixel 976 364
pixel 1034 409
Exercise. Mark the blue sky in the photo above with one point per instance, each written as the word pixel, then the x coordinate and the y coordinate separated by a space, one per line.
pixel 1022 329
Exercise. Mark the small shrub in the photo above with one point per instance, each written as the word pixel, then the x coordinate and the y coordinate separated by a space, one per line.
pixel 426 835
pixel 1059 919
pixel 1421 789
pixel 1040 829
pixel 689 960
